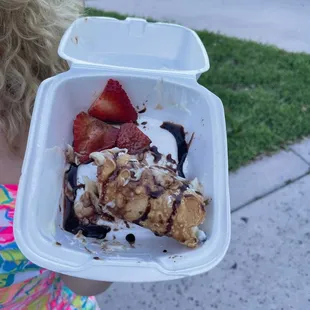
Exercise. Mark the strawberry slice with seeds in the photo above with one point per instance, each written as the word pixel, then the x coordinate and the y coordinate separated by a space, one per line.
pixel 113 105
pixel 132 138
pixel 91 135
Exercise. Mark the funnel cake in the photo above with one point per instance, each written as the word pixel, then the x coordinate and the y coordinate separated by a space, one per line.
pixel 154 197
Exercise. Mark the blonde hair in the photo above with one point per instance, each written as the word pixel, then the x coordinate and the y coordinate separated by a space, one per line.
pixel 30 31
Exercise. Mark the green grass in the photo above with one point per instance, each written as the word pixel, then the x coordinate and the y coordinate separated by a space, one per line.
pixel 265 92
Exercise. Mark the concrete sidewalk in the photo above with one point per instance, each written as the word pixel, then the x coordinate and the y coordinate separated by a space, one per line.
pixel 285 23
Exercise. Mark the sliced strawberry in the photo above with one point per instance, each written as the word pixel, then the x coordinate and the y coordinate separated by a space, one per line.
pixel 91 135
pixel 132 138
pixel 113 105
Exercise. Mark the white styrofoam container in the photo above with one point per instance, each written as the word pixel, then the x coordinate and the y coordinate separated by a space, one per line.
pixel 157 64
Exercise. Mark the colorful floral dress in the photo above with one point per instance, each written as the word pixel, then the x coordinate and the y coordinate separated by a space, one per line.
pixel 24 285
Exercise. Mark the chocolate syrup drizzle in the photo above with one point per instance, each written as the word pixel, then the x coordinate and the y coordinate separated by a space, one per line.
pixel 179 134
pixel 144 216
pixel 175 206
pixel 157 156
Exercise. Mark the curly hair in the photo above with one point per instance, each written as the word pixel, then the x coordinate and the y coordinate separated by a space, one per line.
pixel 30 31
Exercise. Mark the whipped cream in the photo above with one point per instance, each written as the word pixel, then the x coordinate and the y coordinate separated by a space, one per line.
pixel 89 171
pixel 161 138
pixel 201 235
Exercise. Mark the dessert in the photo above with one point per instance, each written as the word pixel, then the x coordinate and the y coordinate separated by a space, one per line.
pixel 117 174
pixel 133 139
pixel 113 105
pixel 91 134
pixel 153 196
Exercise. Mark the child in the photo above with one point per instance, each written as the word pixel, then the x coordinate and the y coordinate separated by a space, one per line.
pixel 30 31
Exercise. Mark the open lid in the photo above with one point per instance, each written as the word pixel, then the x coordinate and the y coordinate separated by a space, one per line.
pixel 134 44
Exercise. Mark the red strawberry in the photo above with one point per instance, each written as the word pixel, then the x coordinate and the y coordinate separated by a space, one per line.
pixel 113 105
pixel 132 138
pixel 91 135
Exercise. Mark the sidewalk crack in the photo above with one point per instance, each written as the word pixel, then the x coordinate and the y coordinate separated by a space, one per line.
pixel 300 156
pixel 286 183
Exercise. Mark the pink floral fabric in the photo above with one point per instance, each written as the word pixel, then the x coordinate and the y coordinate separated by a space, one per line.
pixel 23 285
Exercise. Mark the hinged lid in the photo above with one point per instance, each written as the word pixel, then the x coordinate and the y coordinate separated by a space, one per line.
pixel 134 44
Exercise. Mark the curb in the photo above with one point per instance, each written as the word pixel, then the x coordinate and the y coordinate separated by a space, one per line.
pixel 268 174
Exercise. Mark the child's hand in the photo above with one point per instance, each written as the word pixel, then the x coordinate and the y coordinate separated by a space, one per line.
pixel 83 287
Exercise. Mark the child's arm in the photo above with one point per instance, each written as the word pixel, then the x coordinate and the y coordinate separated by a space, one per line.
pixel 84 287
